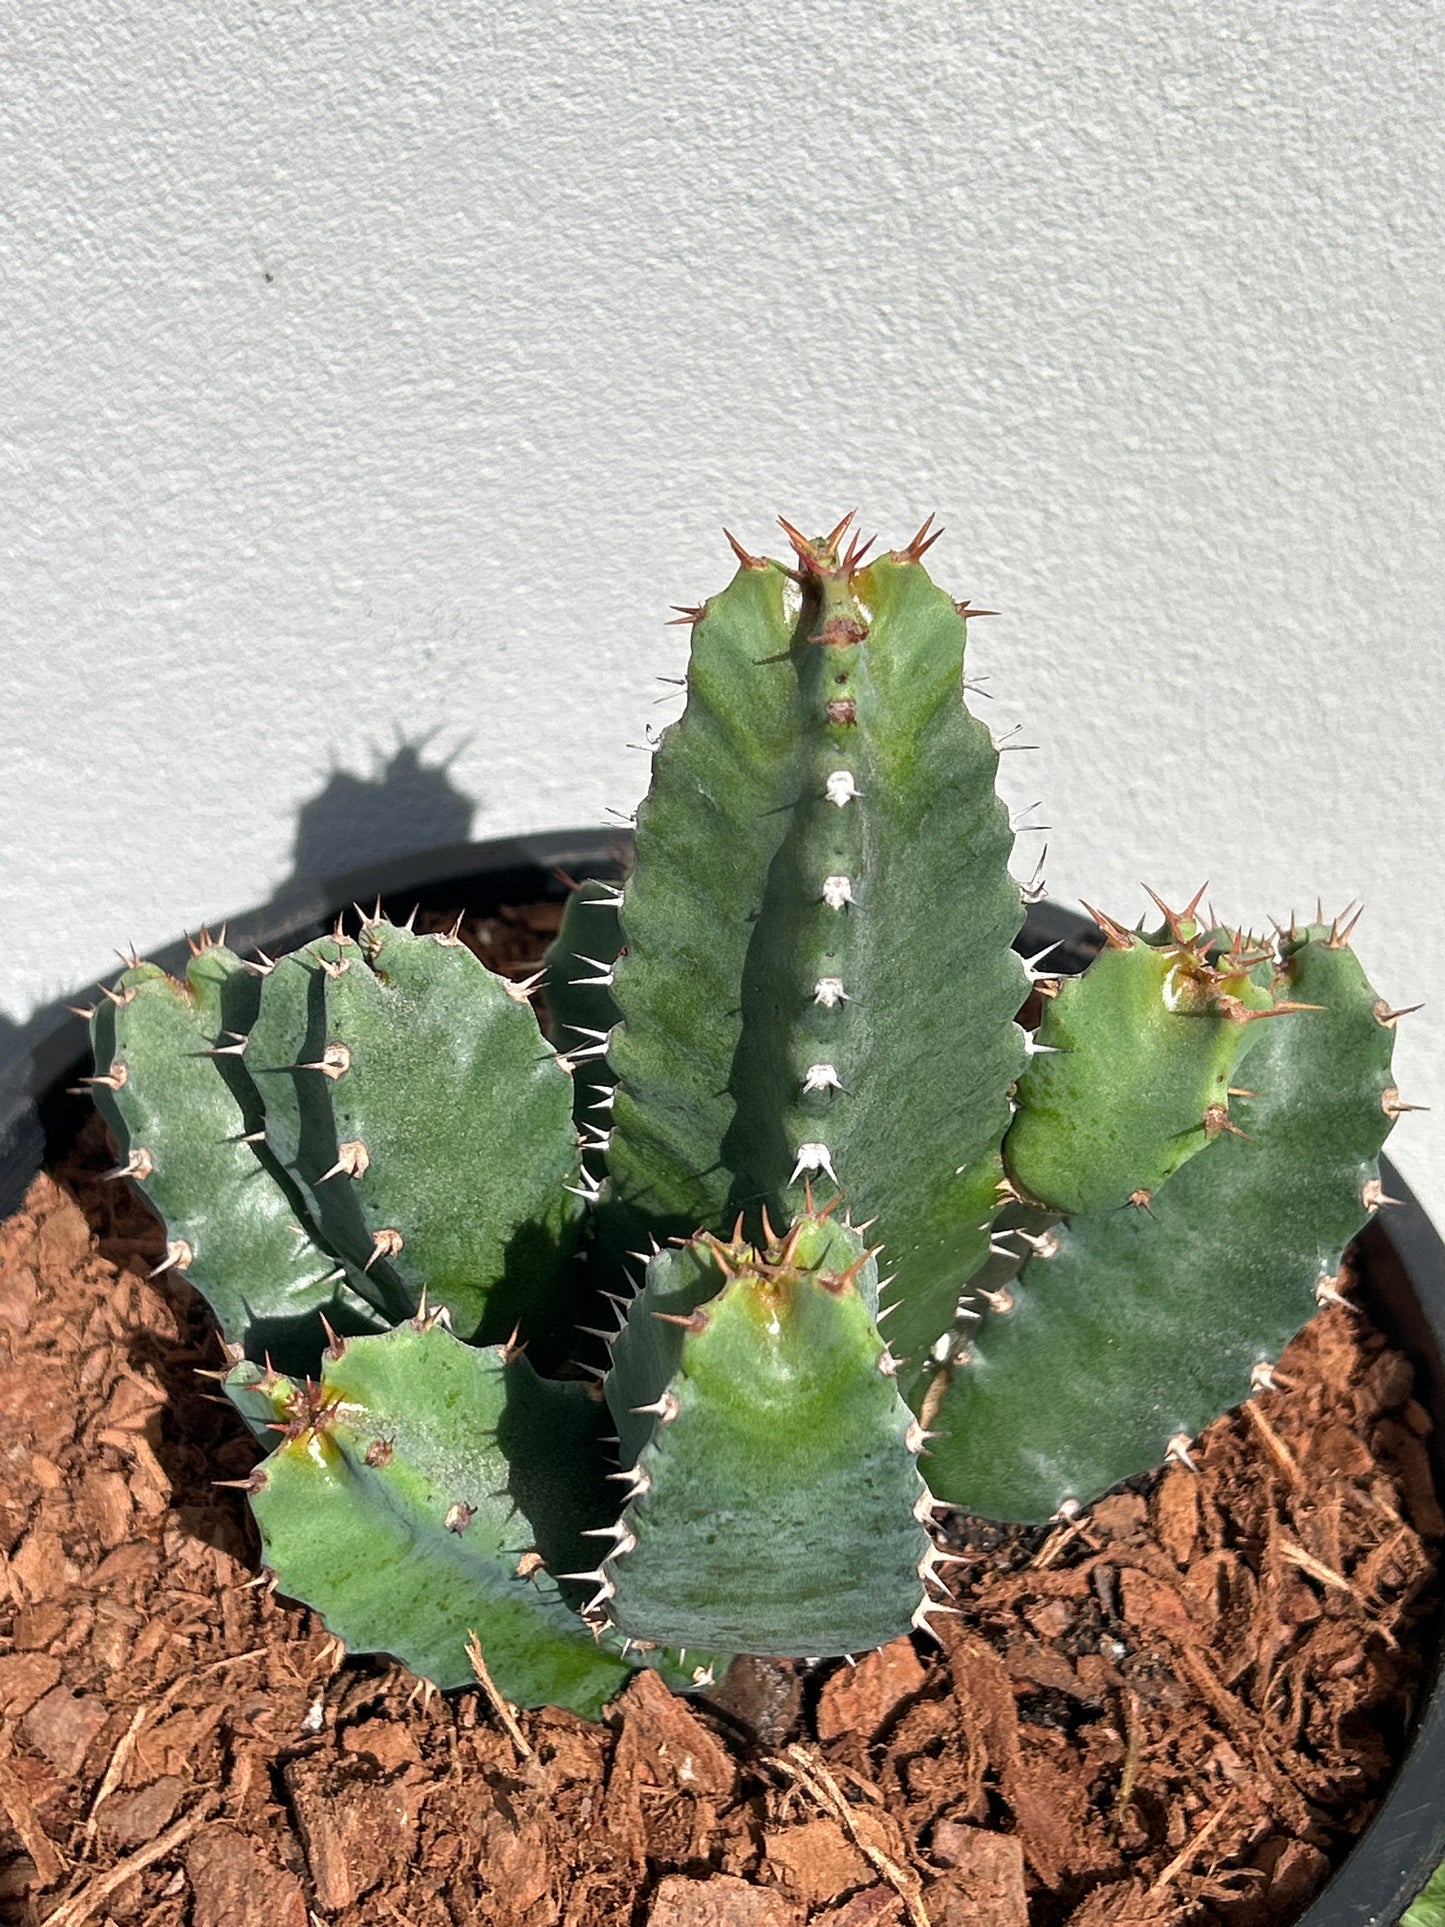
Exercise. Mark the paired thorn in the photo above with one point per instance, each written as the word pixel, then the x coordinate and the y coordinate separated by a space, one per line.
pixel 451 939
pixel 428 1317
pixel 139 1165
pixel 1239 1013
pixel 664 1409
pixel 1327 1291
pixel 386 1243
pixel 1116 935
pixel 352 1157
pixel 1393 1105
pixel 334 1062
pixel 808 553
pixel 596 1048
pixel 748 561
pixel 1388 1018
pixel 812 1157
pixel 693 1322
pixel 1264 1378
pixel 112 1080
pixel 605 976
pixel 638 1481
pixel 1178 1450
pixel 1043 1244
pixel 1176 919
pixel 920 1618
pixel 521 990
pixel 846 1280
pixel 1341 930
pixel 921 543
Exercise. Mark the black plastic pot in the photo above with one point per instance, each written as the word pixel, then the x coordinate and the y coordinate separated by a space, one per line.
pixel 1403 1257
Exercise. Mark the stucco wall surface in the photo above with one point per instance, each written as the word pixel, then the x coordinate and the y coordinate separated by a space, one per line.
pixel 374 377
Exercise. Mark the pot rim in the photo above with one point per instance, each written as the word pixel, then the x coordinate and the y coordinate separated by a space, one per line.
pixel 1399 1850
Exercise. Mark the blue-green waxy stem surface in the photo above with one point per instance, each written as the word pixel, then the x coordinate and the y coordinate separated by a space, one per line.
pixel 413 1096
pixel 818 980
pixel 1146 1323
pixel 392 1508
pixel 235 1227
pixel 1133 1072
pixel 776 1504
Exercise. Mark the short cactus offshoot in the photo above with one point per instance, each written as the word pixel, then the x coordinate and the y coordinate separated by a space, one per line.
pixel 402 1200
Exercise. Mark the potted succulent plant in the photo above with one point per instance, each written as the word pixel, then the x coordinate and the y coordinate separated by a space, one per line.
pixel 783 1050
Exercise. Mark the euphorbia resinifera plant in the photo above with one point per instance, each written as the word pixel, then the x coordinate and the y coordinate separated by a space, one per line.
pixel 400 1198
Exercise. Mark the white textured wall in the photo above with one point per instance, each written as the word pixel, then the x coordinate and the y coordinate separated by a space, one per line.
pixel 380 373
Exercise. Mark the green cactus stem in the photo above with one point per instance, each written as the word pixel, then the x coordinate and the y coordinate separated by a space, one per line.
pixel 1130 1069
pixel 818 979
pixel 775 1503
pixel 235 1227
pixel 392 1507
pixel 580 965
pixel 1143 1324
pixel 411 1093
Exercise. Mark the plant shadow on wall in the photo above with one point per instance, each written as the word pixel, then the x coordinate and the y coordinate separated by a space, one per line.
pixel 408 803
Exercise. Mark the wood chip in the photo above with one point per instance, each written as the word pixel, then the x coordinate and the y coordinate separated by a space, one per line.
pixel 87 1901
pixel 50 1863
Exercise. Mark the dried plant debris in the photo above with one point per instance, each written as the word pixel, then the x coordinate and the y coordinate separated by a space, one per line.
pixel 1181 1706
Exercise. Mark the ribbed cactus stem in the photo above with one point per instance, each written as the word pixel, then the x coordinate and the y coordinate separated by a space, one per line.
pixel 800 895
